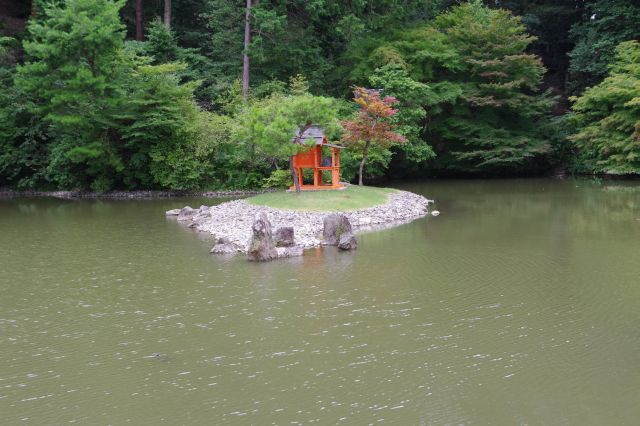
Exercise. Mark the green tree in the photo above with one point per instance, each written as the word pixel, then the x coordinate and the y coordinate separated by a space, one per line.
pixel 481 95
pixel 411 119
pixel 166 140
pixel 605 24
pixel 74 63
pixel 162 45
pixel 550 21
pixel 7 69
pixel 494 123
pixel 275 125
pixel 608 116
pixel 291 36
pixel 114 120
pixel 22 152
pixel 222 42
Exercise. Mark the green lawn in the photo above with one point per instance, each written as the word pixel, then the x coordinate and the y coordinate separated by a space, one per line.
pixel 350 198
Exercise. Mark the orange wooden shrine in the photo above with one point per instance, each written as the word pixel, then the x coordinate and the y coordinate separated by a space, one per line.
pixel 323 158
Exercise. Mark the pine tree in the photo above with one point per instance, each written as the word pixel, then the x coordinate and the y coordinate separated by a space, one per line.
pixel 72 72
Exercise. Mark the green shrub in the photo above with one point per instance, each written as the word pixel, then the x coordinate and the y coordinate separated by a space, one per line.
pixel 278 179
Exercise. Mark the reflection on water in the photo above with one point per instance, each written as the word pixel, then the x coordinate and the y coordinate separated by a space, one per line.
pixel 517 305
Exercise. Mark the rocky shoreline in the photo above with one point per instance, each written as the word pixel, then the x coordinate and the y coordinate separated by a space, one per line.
pixel 230 223
pixel 125 195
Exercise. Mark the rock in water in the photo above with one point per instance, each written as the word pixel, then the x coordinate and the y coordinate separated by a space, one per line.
pixel 334 226
pixel 261 247
pixel 159 357
pixel 174 212
pixel 347 241
pixel 284 237
pixel 186 213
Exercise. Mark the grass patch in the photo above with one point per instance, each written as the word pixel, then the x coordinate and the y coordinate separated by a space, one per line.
pixel 351 198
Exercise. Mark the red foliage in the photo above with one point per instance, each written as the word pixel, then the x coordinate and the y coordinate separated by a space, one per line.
pixel 372 124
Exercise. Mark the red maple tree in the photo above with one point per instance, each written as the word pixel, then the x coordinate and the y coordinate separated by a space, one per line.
pixel 372 125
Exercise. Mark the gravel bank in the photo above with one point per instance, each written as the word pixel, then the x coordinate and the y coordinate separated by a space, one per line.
pixel 232 220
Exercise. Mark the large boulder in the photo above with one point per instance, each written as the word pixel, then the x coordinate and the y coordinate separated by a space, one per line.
pixel 347 241
pixel 261 246
pixel 284 237
pixel 334 226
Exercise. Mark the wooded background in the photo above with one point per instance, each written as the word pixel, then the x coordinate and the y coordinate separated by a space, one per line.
pixel 134 94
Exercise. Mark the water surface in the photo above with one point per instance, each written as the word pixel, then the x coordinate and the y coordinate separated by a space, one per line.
pixel 517 305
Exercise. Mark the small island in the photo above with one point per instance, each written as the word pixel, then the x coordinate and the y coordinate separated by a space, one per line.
pixel 325 212
pixel 366 208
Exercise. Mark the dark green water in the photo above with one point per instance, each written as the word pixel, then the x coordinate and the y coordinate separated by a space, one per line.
pixel 519 304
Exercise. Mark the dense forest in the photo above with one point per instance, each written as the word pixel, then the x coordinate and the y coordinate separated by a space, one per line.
pixel 207 94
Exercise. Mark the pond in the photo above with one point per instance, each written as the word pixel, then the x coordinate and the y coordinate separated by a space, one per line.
pixel 517 305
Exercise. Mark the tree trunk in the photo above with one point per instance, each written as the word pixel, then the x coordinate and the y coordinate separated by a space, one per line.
pixel 245 52
pixel 167 14
pixel 365 153
pixel 294 175
pixel 34 8
pixel 139 21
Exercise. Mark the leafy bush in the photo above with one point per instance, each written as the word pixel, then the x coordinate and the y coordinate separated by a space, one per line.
pixel 278 179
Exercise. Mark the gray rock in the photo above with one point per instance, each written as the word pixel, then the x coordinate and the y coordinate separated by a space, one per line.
pixel 292 251
pixel 364 221
pixel 261 246
pixel 174 212
pixel 201 217
pixel 203 209
pixel 347 241
pixel 186 213
pixel 284 237
pixel 224 246
pixel 334 226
